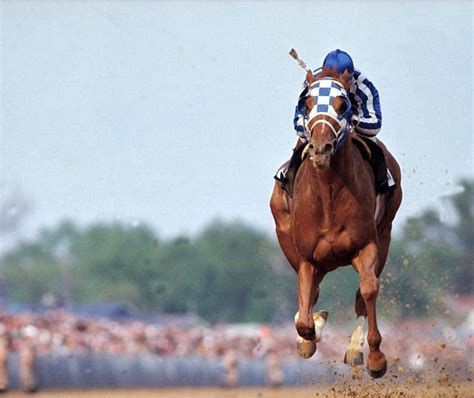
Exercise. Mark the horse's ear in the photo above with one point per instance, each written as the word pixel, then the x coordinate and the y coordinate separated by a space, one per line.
pixel 309 77
pixel 309 103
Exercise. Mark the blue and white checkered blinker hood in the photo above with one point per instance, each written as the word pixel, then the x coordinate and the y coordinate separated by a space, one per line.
pixel 324 92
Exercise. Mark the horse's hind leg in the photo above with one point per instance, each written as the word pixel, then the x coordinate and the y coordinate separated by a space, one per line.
pixel 366 263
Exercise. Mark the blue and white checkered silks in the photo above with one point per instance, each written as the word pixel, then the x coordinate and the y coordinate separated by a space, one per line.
pixel 324 92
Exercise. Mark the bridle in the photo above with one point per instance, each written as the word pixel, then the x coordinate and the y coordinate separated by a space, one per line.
pixel 324 91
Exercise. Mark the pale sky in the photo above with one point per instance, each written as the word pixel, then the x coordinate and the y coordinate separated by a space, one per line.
pixel 177 113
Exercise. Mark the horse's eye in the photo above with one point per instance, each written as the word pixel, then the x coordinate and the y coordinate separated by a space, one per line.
pixel 343 107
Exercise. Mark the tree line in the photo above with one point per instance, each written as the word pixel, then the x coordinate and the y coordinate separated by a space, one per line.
pixel 231 271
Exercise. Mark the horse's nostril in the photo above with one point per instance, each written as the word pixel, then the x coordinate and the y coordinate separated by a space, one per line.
pixel 327 148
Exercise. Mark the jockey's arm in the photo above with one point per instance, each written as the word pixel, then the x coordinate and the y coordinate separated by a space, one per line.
pixel 298 121
pixel 300 142
pixel 367 114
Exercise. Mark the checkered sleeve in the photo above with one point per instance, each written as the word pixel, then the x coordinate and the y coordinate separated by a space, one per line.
pixel 367 116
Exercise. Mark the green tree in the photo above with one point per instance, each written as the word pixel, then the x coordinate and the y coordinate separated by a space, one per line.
pixel 115 262
pixel 237 278
pixel 179 276
pixel 463 203
pixel 233 272
pixel 30 272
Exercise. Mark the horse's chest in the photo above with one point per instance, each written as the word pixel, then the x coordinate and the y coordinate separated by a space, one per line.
pixel 332 226
pixel 336 244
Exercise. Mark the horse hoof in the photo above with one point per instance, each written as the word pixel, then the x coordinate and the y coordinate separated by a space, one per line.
pixel 306 348
pixel 354 358
pixel 376 373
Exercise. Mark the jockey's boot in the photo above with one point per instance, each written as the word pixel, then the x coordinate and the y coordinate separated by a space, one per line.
pixel 379 166
pixel 383 181
pixel 287 179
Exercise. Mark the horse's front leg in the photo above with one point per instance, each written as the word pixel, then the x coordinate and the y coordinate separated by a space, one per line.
pixel 366 263
pixel 309 279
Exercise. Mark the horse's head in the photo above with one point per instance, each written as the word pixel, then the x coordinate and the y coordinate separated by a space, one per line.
pixel 328 114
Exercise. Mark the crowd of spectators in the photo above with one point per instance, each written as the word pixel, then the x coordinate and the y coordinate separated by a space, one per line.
pixel 61 332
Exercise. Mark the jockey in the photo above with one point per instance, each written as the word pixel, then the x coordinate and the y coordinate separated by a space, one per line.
pixel 366 120
pixel 367 116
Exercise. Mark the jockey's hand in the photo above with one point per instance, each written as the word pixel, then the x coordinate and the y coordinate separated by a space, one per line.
pixel 302 140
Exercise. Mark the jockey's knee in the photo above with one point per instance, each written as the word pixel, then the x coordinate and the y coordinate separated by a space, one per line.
pixel 369 287
pixel 369 133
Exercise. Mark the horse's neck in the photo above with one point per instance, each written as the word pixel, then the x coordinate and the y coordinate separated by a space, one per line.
pixel 328 184
pixel 344 163
pixel 341 172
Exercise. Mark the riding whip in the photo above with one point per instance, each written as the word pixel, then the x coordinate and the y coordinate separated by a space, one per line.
pixel 301 63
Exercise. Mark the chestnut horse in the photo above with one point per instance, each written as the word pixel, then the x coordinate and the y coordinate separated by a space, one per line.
pixel 330 222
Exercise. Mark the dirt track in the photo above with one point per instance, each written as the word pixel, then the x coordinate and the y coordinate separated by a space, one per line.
pixel 365 390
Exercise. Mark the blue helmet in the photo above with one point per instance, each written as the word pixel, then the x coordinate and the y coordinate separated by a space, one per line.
pixel 340 60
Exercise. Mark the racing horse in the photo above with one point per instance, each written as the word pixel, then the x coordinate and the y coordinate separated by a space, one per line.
pixel 334 219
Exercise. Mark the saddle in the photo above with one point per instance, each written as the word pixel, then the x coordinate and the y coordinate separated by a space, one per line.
pixel 370 151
